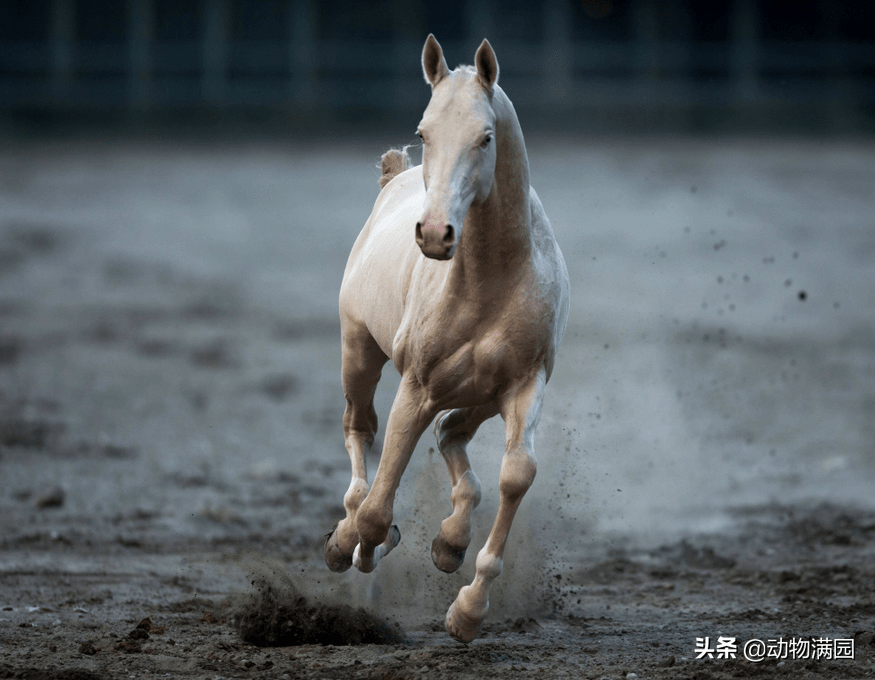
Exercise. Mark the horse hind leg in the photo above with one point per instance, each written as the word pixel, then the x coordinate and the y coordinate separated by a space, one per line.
pixel 363 362
pixel 521 412
pixel 453 430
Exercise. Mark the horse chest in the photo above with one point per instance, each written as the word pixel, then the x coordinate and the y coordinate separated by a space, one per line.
pixel 458 369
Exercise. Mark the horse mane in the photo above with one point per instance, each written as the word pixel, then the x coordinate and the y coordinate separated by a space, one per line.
pixel 394 162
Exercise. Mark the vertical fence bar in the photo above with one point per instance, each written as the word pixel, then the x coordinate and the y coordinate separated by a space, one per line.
pixel 407 20
pixel 478 25
pixel 140 13
pixel 303 54
pixel 215 51
pixel 646 46
pixel 62 32
pixel 840 109
pixel 557 52
pixel 745 47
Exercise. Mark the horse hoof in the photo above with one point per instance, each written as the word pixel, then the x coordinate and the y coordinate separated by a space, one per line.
pixel 446 557
pixel 393 539
pixel 334 558
pixel 459 626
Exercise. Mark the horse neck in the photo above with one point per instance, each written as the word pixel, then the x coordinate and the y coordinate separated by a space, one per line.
pixel 497 234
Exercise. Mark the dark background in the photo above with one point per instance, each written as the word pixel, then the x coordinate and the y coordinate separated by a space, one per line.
pixel 634 65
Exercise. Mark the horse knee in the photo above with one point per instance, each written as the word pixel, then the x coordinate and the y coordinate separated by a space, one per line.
pixel 517 474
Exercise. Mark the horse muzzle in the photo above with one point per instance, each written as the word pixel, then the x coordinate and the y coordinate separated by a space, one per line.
pixel 436 241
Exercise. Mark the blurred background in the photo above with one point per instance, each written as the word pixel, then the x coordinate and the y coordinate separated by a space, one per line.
pixel 181 182
pixel 582 64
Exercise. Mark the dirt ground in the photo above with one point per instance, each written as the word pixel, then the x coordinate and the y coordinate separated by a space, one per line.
pixel 171 453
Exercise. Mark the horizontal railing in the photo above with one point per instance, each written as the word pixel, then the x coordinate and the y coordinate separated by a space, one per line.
pixel 337 74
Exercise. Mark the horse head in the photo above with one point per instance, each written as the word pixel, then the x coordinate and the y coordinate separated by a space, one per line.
pixel 459 148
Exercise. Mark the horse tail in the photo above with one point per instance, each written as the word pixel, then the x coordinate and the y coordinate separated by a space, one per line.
pixel 394 162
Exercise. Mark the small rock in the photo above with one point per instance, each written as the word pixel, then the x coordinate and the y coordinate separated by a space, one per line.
pixel 863 638
pixel 128 646
pixel 145 624
pixel 138 634
pixel 51 499
pixel 631 676
pixel 87 648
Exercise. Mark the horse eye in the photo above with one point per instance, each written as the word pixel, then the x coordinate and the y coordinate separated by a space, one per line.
pixel 486 141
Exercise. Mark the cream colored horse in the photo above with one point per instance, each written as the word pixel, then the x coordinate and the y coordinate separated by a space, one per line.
pixel 457 278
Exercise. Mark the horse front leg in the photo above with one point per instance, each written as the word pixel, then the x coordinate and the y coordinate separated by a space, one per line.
pixel 407 421
pixel 521 410
pixel 453 430
pixel 363 362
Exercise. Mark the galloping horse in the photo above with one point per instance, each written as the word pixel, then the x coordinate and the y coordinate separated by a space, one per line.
pixel 471 310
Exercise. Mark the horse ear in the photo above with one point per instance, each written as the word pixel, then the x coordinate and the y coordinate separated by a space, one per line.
pixel 487 65
pixel 434 66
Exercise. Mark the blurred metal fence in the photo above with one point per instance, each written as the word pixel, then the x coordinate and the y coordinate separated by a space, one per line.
pixel 554 56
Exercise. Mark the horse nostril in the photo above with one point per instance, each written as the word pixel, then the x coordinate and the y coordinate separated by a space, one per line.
pixel 419 231
pixel 449 236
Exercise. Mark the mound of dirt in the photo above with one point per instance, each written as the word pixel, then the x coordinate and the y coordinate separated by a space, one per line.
pixel 278 615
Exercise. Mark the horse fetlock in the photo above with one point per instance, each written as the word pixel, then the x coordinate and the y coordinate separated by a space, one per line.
pixel 466 491
pixel 355 495
pixel 346 536
pixel 373 524
pixel 488 567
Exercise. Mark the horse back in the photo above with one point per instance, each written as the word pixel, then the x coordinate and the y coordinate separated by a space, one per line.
pixel 382 260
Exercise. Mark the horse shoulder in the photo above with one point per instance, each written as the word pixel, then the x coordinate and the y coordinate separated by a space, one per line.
pixel 381 262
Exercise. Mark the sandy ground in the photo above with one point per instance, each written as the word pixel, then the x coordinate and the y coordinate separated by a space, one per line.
pixel 170 412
